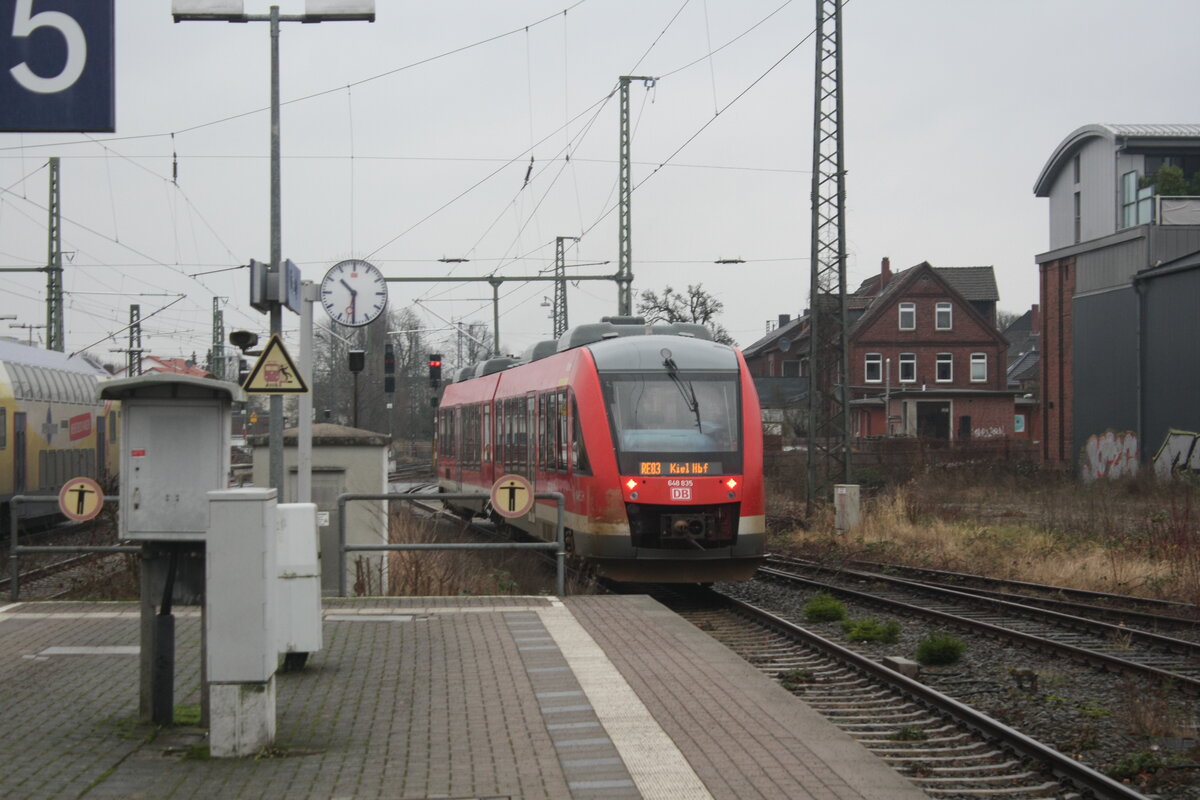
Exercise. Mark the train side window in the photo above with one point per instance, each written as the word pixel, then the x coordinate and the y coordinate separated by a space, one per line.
pixel 561 422
pixel 487 432
pixel 579 456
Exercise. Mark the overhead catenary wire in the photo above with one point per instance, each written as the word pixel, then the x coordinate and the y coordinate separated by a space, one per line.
pixel 524 220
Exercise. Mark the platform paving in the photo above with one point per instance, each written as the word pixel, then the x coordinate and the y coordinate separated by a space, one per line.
pixel 499 697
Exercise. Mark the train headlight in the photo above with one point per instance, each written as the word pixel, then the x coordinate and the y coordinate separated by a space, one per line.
pixel 731 483
pixel 631 483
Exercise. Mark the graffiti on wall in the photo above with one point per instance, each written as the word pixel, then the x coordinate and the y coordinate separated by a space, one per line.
pixel 1110 455
pixel 987 433
pixel 1179 454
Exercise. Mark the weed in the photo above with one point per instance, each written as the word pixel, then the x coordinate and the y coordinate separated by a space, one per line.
pixel 824 607
pixel 909 733
pixel 1094 710
pixel 504 582
pixel 794 678
pixel 197 752
pixel 187 715
pixel 869 629
pixel 939 649
pixel 1153 712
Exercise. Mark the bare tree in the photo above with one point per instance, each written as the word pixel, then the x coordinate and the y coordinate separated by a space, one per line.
pixel 696 306
pixel 1006 318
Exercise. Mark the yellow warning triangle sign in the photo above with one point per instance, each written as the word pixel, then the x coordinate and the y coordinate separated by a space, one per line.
pixel 275 372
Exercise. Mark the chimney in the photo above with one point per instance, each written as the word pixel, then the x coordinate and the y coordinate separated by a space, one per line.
pixel 885 272
pixel 1035 320
pixel 784 319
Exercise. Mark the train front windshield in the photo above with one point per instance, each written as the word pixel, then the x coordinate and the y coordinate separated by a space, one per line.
pixel 675 424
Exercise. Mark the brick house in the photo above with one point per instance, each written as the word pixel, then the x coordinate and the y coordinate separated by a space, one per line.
pixel 1024 337
pixel 924 356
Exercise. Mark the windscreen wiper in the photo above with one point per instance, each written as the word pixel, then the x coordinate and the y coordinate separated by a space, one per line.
pixel 688 393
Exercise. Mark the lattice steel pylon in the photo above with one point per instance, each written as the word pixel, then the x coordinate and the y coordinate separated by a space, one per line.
pixel 624 211
pixel 54 279
pixel 134 364
pixel 560 284
pixel 828 409
pixel 217 362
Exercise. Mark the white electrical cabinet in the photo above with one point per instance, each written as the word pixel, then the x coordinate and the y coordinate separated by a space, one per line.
pixel 298 588
pixel 175 448
pixel 239 619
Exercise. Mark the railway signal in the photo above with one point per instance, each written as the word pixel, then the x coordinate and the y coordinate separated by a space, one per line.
pixel 389 369
pixel 435 370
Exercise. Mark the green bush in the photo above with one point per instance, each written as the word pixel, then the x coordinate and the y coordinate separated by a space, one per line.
pixel 1135 764
pixel 824 607
pixel 938 649
pixel 869 629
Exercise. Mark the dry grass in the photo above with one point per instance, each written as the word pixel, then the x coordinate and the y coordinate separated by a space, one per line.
pixel 1132 537
pixel 442 573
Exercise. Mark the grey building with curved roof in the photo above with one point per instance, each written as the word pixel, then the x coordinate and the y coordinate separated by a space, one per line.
pixel 1104 296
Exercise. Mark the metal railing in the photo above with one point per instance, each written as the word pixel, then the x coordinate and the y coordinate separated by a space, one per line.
pixel 558 546
pixel 16 549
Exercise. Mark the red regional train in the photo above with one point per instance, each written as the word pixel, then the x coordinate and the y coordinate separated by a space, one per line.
pixel 652 434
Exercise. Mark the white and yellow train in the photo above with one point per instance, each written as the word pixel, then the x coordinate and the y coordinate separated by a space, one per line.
pixel 52 427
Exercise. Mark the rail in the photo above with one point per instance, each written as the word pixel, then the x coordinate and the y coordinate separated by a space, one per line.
pixel 15 548
pixel 558 546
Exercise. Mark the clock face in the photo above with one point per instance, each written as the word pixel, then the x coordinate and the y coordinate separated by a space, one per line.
pixel 354 293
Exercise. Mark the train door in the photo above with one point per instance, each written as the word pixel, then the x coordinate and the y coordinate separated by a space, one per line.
pixel 532 439
pixel 457 422
pixel 18 452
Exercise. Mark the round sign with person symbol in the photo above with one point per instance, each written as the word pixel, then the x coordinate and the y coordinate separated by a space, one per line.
pixel 80 499
pixel 512 496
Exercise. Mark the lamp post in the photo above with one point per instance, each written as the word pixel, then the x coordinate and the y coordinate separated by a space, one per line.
pixel 234 11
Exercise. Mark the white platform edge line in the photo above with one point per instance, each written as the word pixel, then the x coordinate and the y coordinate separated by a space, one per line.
pixel 654 762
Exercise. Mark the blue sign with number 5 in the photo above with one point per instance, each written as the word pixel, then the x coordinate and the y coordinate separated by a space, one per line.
pixel 56 65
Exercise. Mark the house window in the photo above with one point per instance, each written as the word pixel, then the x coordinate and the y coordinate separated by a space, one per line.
pixel 945 367
pixel 791 369
pixel 1129 182
pixel 1075 165
pixel 944 317
pixel 908 316
pixel 978 367
pixel 1078 224
pixel 1137 204
pixel 908 367
pixel 874 367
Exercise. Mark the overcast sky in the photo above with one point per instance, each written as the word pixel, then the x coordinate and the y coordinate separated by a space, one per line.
pixel 408 140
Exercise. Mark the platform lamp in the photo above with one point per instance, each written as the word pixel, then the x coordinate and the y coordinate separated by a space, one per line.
pixel 234 11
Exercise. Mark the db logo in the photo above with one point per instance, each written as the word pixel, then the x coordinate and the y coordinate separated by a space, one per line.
pixel 681 493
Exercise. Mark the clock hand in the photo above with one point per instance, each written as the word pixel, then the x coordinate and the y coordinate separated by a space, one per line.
pixel 349 288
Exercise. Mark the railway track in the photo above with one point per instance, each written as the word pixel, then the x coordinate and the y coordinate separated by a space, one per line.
pixel 1116 647
pixel 942 745
pixel 1149 613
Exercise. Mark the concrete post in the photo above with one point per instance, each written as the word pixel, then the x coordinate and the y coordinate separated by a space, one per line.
pixel 847 510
